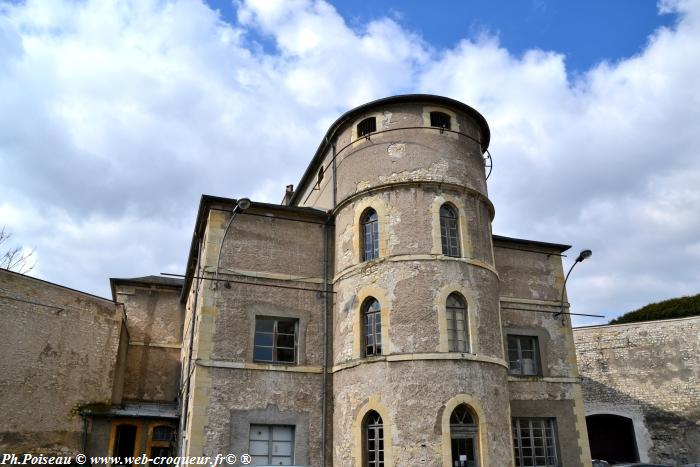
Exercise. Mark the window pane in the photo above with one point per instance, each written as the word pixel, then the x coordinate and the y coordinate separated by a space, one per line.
pixel 264 324
pixel 263 338
pixel 263 354
pixel 286 326
pixel 258 448
pixel 285 355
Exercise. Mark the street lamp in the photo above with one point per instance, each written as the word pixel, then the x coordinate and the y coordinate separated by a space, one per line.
pixel 581 256
pixel 241 205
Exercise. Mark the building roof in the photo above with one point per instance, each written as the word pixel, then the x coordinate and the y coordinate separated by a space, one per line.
pixel 400 99
pixel 560 247
pixel 134 409
pixel 145 280
pixel 24 276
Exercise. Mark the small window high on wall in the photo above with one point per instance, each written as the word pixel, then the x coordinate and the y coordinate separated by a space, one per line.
pixel 440 120
pixel 366 126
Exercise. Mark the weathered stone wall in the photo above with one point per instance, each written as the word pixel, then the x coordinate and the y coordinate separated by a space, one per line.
pixel 649 372
pixel 405 176
pixel 268 254
pixel 531 281
pixel 155 322
pixel 54 358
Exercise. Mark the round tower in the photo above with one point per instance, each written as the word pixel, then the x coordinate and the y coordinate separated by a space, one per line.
pixel 419 376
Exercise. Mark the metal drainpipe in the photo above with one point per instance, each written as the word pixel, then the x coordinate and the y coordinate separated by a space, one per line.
pixel 325 345
pixel 335 184
pixel 185 399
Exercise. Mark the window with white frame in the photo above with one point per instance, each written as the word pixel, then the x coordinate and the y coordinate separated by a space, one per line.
pixel 535 442
pixel 457 324
pixel 276 340
pixel 272 444
pixel 523 355
pixel 449 230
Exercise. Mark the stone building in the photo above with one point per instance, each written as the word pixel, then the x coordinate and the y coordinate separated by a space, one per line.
pixel 78 375
pixel 370 319
pixel 374 317
pixel 641 388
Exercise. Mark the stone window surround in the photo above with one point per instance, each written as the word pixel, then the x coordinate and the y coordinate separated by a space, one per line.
pixel 379 206
pixel 358 339
pixel 241 420
pixel 481 422
pixel 358 427
pixel 303 321
pixel 543 340
pixel 472 316
pixel 465 248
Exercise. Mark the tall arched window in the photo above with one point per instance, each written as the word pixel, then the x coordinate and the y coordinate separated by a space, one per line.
pixel 449 230
pixel 372 327
pixel 457 324
pixel 373 440
pixel 370 234
pixel 464 434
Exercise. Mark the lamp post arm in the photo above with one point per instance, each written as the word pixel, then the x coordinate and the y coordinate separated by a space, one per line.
pixel 221 246
pixel 563 289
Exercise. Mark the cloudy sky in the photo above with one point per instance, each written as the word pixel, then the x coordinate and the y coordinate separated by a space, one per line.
pixel 116 116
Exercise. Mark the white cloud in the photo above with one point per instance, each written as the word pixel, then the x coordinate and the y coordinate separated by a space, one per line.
pixel 116 116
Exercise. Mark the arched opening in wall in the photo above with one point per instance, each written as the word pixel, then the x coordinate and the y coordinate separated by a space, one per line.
pixel 612 438
pixel 372 440
pixel 449 230
pixel 464 437
pixel 370 234
pixel 372 327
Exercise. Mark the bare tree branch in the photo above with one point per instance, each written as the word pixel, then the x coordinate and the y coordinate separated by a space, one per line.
pixel 14 258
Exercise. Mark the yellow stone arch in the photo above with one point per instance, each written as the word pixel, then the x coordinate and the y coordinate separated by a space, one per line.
pixel 381 409
pixel 378 204
pixel 481 422
pixel 458 203
pixel 385 304
pixel 472 315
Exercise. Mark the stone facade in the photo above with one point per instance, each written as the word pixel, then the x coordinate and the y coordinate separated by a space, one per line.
pixel 648 373
pixel 306 333
pixel 304 261
pixel 61 350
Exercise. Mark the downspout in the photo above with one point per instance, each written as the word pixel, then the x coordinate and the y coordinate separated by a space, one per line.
pixel 335 183
pixel 186 397
pixel 325 340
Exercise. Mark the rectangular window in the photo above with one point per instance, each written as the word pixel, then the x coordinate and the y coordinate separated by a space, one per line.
pixel 272 444
pixel 523 355
pixel 276 340
pixel 535 442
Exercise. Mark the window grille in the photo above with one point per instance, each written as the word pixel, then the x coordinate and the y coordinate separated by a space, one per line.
pixel 440 120
pixel 366 126
pixel 449 230
pixel 374 440
pixel 372 326
pixel 534 442
pixel 370 235
pixel 457 324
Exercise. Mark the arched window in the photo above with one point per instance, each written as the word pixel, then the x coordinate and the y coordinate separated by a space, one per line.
pixel 464 434
pixel 373 440
pixel 440 120
pixel 370 235
pixel 457 324
pixel 366 126
pixel 372 327
pixel 449 230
